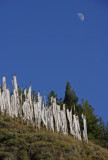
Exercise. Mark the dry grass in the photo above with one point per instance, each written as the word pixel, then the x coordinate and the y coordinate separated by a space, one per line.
pixel 21 142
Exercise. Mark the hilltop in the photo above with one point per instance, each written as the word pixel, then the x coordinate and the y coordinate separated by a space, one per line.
pixel 19 141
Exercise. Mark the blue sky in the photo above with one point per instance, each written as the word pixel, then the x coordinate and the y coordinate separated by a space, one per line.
pixel 46 43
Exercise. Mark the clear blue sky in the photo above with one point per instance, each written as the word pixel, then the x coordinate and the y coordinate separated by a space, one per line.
pixel 45 42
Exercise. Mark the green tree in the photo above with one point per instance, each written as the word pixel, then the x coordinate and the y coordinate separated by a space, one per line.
pixel 34 95
pixel 94 129
pixel 70 96
pixel 106 135
pixel 51 94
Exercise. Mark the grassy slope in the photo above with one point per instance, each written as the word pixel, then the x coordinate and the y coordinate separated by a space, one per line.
pixel 19 141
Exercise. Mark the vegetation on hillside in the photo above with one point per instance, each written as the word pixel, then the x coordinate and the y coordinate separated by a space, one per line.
pixel 96 128
pixel 19 141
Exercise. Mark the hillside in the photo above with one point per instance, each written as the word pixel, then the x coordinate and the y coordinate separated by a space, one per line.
pixel 23 142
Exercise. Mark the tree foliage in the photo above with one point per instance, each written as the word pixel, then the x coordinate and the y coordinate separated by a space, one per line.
pixel 70 96
pixel 96 127
pixel 51 94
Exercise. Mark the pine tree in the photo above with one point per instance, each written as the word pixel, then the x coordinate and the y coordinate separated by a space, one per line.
pixel 94 127
pixel 51 94
pixel 70 96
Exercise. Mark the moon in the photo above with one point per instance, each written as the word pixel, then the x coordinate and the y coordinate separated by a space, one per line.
pixel 81 16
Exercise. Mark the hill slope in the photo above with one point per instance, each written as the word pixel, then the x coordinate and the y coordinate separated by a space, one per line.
pixel 21 142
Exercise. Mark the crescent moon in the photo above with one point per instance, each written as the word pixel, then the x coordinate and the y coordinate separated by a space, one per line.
pixel 81 16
